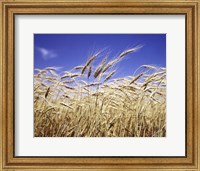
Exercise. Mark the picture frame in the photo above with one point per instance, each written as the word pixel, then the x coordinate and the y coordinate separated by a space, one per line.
pixel 10 8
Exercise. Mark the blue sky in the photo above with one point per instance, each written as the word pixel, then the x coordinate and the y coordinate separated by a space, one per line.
pixel 69 50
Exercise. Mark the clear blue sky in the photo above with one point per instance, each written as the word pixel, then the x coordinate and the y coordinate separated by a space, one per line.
pixel 70 50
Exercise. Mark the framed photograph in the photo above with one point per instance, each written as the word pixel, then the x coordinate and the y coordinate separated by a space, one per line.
pixel 99 85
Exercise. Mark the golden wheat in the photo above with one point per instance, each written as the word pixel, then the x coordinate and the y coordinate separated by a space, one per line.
pixel 76 104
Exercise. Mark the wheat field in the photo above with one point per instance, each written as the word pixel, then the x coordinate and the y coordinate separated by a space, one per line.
pixel 89 101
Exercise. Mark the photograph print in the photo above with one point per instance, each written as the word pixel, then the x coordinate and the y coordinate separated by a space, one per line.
pixel 99 85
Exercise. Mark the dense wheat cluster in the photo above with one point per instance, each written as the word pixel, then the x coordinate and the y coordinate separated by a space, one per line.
pixel 88 102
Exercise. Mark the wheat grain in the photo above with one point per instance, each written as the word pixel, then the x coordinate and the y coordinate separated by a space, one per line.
pixel 130 51
pixel 89 62
pixel 110 75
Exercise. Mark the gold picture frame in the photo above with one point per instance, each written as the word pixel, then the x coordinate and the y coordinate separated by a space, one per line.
pixel 9 8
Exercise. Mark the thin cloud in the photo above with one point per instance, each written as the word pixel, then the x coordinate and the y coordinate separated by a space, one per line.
pixel 46 54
